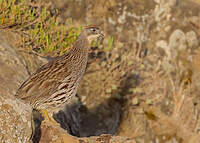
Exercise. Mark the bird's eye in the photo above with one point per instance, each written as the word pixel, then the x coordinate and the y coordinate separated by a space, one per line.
pixel 93 30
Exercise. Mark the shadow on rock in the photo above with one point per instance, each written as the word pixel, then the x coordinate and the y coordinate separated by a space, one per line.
pixel 82 122
pixel 36 126
pixel 104 118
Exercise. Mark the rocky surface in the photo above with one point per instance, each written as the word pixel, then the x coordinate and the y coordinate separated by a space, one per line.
pixel 54 134
pixel 15 120
pixel 15 116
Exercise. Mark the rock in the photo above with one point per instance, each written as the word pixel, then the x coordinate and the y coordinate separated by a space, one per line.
pixel 15 120
pixel 177 40
pixel 12 71
pixel 191 38
pixel 80 121
pixel 52 133
pixel 15 116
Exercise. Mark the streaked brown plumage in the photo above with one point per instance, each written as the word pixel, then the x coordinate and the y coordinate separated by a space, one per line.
pixel 52 85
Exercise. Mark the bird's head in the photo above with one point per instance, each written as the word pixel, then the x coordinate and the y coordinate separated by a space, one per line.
pixel 93 33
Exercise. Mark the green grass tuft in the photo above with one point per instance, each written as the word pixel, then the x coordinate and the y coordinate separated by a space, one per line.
pixel 110 43
pixel 40 29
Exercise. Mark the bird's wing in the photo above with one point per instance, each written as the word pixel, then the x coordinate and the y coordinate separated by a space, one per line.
pixel 42 82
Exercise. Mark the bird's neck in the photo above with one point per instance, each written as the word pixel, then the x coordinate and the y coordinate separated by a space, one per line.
pixel 79 51
pixel 81 45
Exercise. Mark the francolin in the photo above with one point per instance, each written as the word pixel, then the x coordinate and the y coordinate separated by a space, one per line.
pixel 52 85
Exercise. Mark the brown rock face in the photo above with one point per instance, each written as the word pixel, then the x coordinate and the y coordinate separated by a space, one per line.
pixel 15 116
pixel 55 134
pixel 15 120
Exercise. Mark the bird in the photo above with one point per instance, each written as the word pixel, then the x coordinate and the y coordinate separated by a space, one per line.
pixel 55 83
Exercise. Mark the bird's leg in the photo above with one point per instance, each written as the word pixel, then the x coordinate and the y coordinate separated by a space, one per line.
pixel 46 116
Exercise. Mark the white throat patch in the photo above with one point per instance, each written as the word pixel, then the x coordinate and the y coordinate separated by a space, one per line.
pixel 92 37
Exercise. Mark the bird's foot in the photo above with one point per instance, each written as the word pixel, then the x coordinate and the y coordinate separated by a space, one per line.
pixel 48 118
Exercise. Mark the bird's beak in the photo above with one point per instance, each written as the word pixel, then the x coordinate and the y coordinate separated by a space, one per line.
pixel 102 34
pixel 101 37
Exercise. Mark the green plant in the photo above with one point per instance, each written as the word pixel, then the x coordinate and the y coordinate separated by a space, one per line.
pixel 40 29
pixel 110 43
